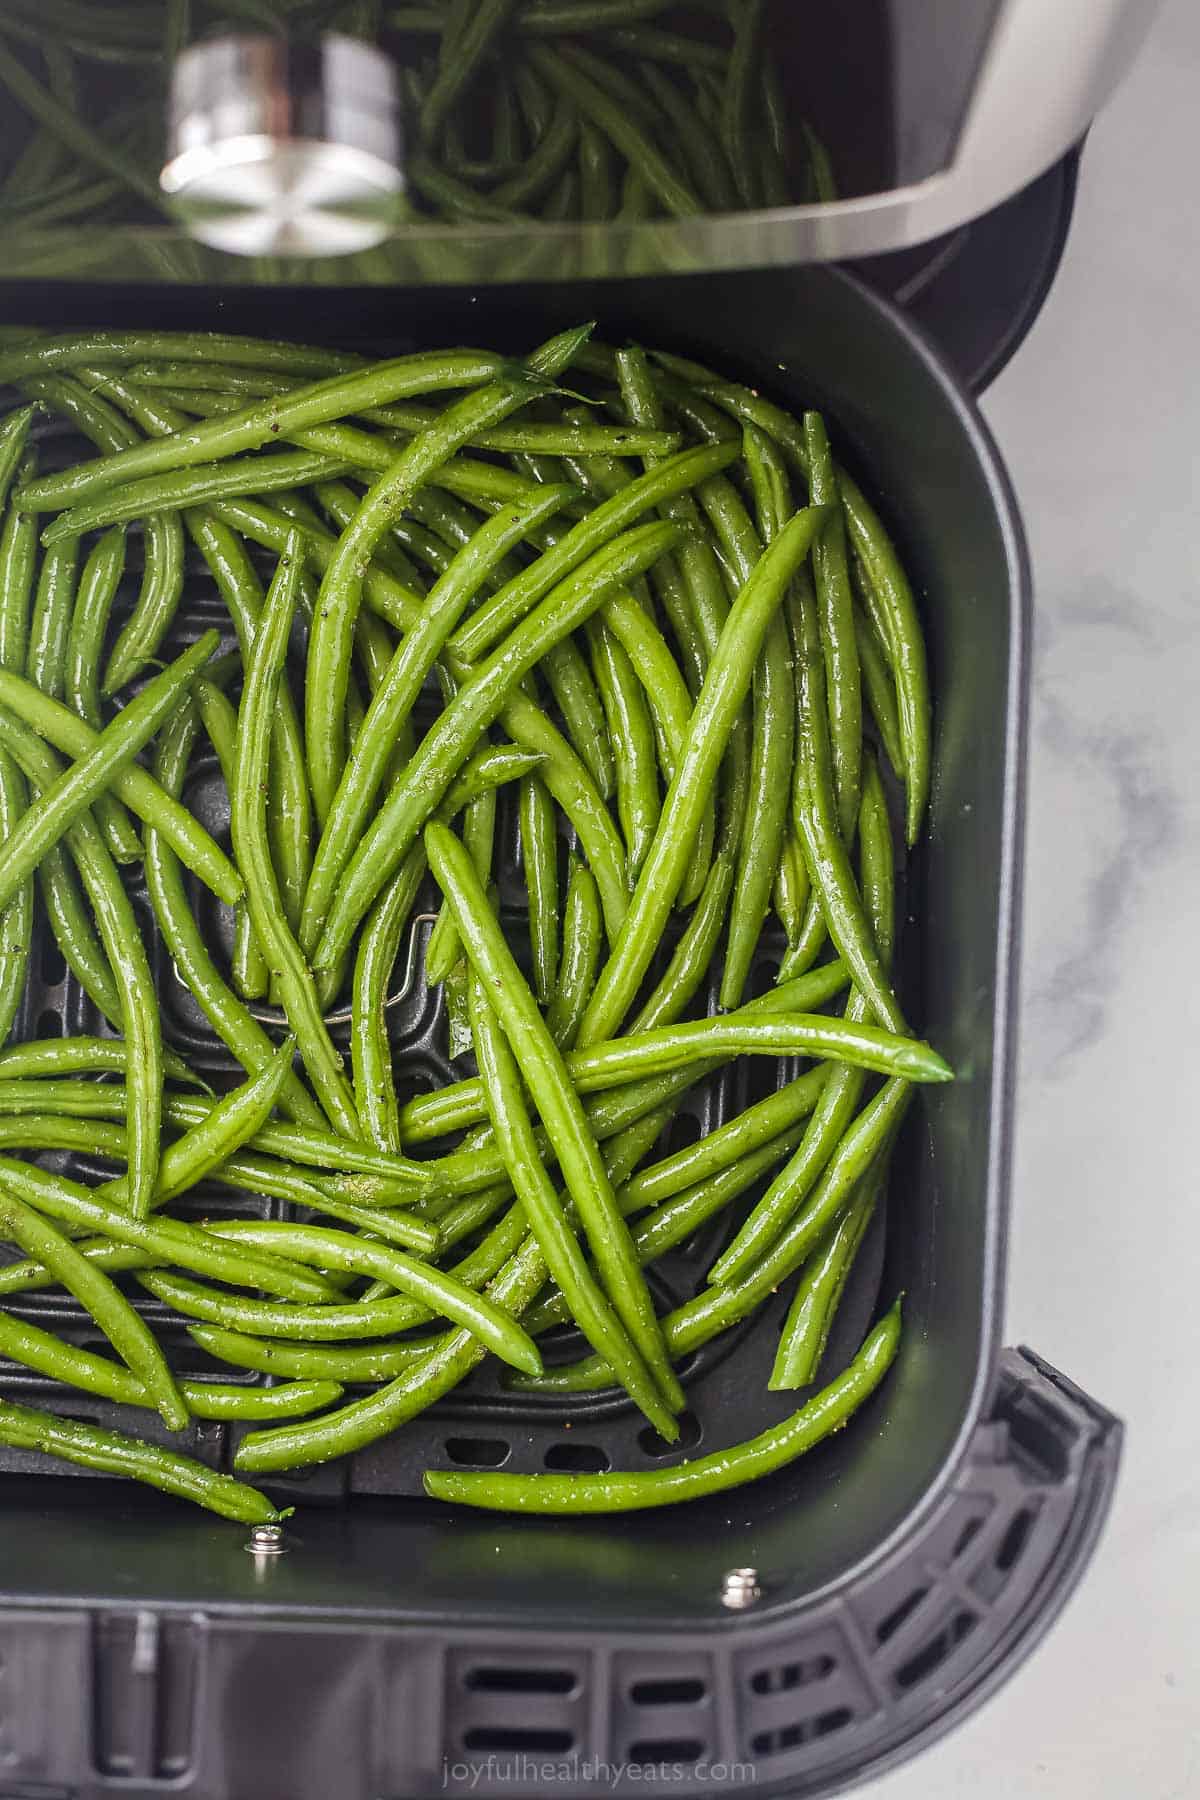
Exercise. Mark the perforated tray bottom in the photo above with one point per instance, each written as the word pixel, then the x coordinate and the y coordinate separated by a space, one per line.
pixel 480 1424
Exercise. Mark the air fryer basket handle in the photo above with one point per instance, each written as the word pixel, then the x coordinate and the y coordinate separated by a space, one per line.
pixel 966 1600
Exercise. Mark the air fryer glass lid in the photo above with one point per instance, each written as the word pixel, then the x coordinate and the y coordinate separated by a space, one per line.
pixel 481 141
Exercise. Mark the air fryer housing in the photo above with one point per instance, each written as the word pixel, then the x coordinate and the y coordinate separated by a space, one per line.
pixel 902 1569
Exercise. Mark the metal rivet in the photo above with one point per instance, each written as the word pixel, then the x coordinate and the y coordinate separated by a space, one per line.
pixel 266 1540
pixel 740 1589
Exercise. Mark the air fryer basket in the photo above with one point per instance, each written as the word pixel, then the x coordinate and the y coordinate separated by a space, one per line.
pixel 399 1649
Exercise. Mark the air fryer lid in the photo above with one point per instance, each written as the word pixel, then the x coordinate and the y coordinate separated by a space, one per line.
pixel 582 138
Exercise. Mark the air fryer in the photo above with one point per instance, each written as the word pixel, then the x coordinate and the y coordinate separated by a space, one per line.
pixel 824 1623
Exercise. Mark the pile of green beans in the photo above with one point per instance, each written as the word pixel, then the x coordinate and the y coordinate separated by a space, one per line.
pixel 605 111
pixel 647 600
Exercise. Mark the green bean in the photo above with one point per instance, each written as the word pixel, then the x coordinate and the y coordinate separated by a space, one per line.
pixel 255 426
pixel 98 586
pixel 47 819
pixel 567 675
pixel 719 703
pixel 592 1311
pixel 576 82
pixel 614 1064
pixel 341 584
pixel 314 1148
pixel 334 1363
pixel 803 953
pixel 441 1292
pixel 597 199
pixel 162 579
pixel 701 151
pixel 843 1090
pixel 632 735
pixel 248 819
pixel 693 954
pixel 14 437
pixel 226 1124
pixel 623 1491
pixel 582 940
pixel 289 806
pixel 423 1380
pixel 763 1123
pixel 189 953
pixel 835 606
pixel 218 714
pixel 28 1277
pixel 112 1453
pixel 137 1002
pixel 53 606
pixel 511 604
pixel 442 950
pixel 888 586
pixel 200 351
pixel 737 95
pixel 16 922
pixel 18 555
pixel 128 1334
pixel 816 819
pixel 194 487
pixel 771 751
pixel 23 1342
pixel 714 1309
pixel 546 162
pixel 680 1217
pixel 465 45
pixel 61 728
pixel 791 888
pixel 819 1291
pixel 480 700
pixel 539 850
pixel 251 1173
pixel 79 1055
pixel 73 931
pixel 370 1047
pixel 562 1114
pixel 166 1240
pixel 77 1099
pixel 457 199
pixel 649 41
pixel 879 688
pixel 576 793
pixel 70 128
pixel 397 694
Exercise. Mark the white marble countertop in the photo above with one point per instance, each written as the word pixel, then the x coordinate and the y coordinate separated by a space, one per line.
pixel 1099 419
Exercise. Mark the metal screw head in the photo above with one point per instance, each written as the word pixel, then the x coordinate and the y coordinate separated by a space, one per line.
pixel 266 1540
pixel 740 1589
pixel 280 148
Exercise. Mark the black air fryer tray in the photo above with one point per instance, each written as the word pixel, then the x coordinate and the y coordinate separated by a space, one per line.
pixel 400 1649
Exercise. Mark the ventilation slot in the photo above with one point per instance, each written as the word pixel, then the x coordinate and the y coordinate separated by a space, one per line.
pixel 689 1435
pixel 504 1737
pixel 683 1132
pixel 685 1690
pixel 935 1652
pixel 792 1675
pixel 887 1628
pixel 1013 1543
pixel 49 1024
pixel 966 1538
pixel 788 1737
pixel 521 1681
pixel 991 1575
pixel 54 969
pixel 578 1459
pixel 666 1750
pixel 478 1453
